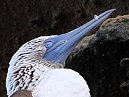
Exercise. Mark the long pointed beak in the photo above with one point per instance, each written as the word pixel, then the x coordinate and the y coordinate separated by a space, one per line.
pixel 59 47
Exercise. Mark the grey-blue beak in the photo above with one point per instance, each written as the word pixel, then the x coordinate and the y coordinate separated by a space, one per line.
pixel 59 47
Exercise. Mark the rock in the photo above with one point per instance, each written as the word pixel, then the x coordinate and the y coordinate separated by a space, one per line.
pixel 125 88
pixel 22 93
pixel 125 85
pixel 125 63
pixel 99 61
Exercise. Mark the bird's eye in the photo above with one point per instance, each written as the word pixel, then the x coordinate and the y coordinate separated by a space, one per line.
pixel 48 43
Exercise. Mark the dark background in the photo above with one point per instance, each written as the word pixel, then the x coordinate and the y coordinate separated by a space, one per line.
pixel 23 20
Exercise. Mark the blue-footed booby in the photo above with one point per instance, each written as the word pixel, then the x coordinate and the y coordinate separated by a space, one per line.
pixel 38 65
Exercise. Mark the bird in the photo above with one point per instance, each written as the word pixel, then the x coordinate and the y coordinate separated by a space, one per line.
pixel 38 65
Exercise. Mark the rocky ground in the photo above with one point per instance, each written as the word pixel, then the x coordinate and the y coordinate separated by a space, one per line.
pixel 103 61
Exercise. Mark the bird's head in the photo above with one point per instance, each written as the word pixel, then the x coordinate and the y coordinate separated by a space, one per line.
pixel 56 48
pixel 34 57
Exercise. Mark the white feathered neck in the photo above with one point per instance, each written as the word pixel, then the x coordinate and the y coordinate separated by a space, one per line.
pixel 27 66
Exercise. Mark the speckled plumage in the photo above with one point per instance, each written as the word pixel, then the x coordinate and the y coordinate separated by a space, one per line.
pixel 27 65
